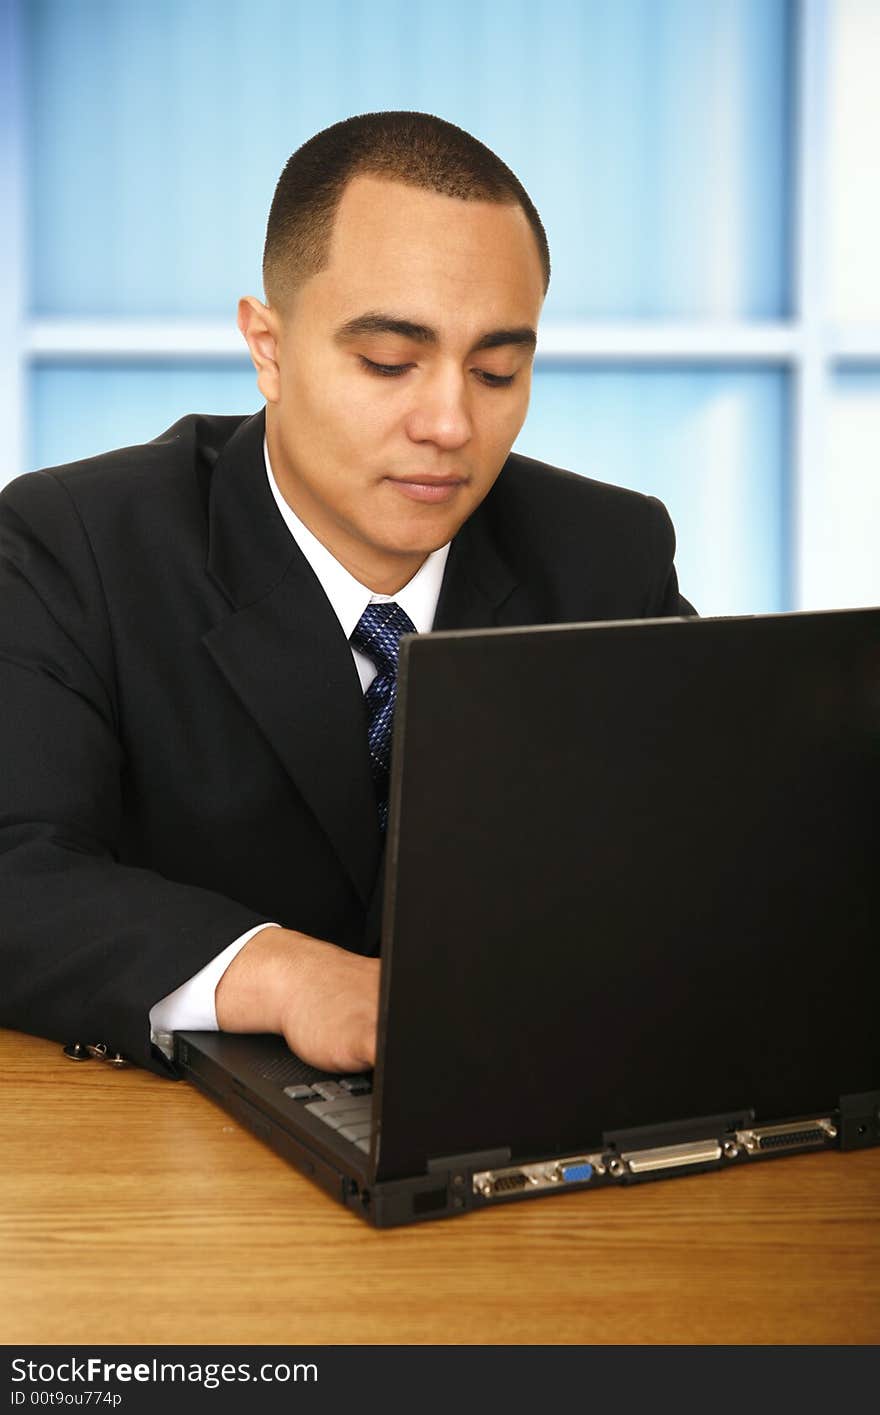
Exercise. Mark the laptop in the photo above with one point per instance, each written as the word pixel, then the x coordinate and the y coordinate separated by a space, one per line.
pixel 631 923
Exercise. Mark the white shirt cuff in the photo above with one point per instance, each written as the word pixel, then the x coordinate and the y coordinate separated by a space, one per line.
pixel 190 1008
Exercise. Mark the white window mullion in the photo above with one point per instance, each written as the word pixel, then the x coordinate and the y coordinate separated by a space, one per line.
pixel 712 341
pixel 855 344
pixel 812 370
pixel 582 342
pixel 13 354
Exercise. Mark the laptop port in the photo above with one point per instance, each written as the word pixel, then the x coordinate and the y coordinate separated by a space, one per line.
pixel 672 1156
pixel 794 1135
pixel 489 1184
pixel 543 1174
pixel 576 1173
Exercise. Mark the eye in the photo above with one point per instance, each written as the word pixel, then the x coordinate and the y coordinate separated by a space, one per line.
pixel 383 370
pixel 495 380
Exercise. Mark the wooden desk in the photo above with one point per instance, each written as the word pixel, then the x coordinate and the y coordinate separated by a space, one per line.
pixel 134 1210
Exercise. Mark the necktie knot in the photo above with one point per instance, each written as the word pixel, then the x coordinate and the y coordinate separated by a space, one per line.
pixel 378 632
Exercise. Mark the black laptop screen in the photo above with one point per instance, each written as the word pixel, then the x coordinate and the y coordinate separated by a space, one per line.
pixel 632 880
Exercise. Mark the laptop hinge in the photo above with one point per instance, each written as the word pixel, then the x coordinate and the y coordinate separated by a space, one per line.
pixel 860 1120
pixel 477 1159
pixel 677 1132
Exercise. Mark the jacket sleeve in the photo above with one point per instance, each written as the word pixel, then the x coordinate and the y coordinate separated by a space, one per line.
pixel 87 944
pixel 666 600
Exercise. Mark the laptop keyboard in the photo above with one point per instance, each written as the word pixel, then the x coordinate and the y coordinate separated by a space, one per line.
pixel 346 1105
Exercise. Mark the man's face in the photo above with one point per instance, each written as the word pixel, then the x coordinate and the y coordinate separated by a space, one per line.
pixel 404 372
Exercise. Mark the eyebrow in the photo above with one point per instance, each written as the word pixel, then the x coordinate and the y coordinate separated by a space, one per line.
pixel 523 335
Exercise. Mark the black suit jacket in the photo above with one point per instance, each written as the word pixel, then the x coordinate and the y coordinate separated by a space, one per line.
pixel 183 731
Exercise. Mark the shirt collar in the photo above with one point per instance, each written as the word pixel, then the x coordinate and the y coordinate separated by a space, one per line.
pixel 348 597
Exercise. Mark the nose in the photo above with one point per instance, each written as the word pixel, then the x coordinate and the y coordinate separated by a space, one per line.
pixel 441 411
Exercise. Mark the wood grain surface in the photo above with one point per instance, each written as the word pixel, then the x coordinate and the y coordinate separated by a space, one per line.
pixel 134 1210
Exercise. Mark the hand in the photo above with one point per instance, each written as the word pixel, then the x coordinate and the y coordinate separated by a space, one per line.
pixel 322 999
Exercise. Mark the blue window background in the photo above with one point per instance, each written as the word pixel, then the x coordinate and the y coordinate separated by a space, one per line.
pixel 651 134
pixel 658 139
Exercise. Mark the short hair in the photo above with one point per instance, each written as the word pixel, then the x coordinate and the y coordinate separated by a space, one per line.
pixel 417 149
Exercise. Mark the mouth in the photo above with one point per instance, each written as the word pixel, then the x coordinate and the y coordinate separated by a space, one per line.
pixel 427 488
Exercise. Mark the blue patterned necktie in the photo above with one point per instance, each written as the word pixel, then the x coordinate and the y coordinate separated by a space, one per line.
pixel 377 634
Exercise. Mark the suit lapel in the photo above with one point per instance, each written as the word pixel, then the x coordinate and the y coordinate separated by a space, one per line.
pixel 477 582
pixel 282 651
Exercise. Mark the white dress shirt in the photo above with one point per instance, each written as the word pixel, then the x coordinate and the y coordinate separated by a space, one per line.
pixel 191 1006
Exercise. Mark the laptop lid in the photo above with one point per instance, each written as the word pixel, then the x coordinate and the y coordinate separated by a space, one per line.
pixel 632 879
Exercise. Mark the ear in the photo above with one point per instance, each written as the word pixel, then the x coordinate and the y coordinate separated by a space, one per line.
pixel 260 326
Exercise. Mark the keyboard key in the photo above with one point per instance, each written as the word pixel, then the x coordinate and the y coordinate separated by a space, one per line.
pixel 357 1085
pixel 347 1111
pixel 338 1120
pixel 329 1090
pixel 358 1105
pixel 364 1145
pixel 361 1131
pixel 301 1093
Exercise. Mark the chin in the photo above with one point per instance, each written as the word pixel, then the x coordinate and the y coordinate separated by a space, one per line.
pixel 423 545
pixel 428 532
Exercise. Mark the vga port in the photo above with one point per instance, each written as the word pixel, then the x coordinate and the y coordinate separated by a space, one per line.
pixel 537 1175
pixel 577 1172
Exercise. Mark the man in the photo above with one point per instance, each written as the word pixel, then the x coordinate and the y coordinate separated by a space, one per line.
pixel 195 699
